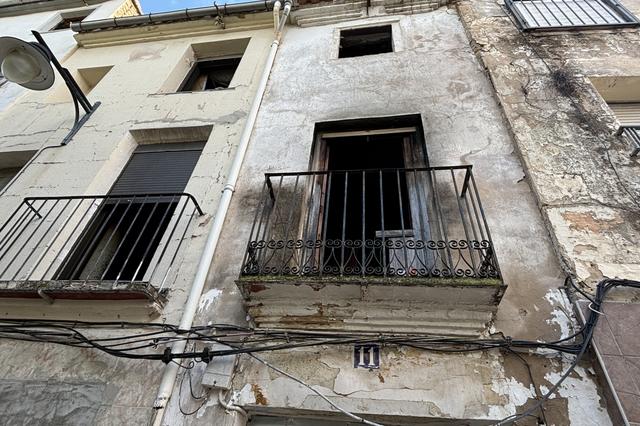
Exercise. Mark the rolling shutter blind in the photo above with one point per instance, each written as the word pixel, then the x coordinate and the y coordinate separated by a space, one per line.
pixel 628 114
pixel 158 168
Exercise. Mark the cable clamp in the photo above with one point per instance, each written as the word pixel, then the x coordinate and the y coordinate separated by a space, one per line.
pixel 167 356
pixel 206 355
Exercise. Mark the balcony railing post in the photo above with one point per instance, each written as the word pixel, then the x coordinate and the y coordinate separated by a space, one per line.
pixel 167 243
pixel 52 241
pixel 73 235
pixel 486 227
pixel 465 184
pixel 248 260
pixel 140 233
pixel 89 249
pixel 153 238
pixel 42 237
pixel 113 233
pixel 402 227
pixel 363 263
pixel 42 221
pixel 18 223
pixel 442 222
pixel 177 250
pixel 324 228
pixel 464 222
pixel 384 245
pixel 311 181
pixel 344 222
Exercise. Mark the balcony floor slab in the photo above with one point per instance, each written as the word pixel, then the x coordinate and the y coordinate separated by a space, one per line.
pixel 455 306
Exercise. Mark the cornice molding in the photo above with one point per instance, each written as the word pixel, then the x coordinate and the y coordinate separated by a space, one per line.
pixel 146 33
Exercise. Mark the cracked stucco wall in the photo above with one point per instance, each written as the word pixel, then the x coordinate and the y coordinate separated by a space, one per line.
pixel 139 104
pixel 585 183
pixel 433 72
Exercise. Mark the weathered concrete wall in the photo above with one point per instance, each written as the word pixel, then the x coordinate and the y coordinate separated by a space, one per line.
pixel 139 105
pixel 60 41
pixel 585 183
pixel 584 180
pixel 433 72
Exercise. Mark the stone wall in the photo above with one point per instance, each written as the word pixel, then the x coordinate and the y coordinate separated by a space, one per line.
pixel 585 182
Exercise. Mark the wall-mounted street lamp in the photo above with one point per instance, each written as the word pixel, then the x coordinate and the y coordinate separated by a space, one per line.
pixel 29 64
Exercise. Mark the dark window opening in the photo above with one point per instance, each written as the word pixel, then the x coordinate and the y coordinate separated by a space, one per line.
pixel 365 41
pixel 121 241
pixel 121 238
pixel 210 75
pixel 381 188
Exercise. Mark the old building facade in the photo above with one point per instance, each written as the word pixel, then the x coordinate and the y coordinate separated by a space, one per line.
pixel 340 212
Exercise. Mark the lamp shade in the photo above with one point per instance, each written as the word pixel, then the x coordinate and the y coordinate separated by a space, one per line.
pixel 26 64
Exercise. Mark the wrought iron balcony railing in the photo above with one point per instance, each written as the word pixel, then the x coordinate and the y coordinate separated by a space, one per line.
pixel 422 222
pixel 632 133
pixel 95 238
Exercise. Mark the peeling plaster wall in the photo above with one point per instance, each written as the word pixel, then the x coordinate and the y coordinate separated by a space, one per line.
pixel 138 105
pixel 433 72
pixel 584 180
pixel 61 42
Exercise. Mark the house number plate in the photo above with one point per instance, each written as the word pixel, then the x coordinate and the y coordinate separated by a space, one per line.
pixel 366 356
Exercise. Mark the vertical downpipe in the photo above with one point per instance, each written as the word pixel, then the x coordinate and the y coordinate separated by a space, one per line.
pixel 171 370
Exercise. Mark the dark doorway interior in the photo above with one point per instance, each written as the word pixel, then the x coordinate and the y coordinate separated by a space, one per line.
pixel 368 193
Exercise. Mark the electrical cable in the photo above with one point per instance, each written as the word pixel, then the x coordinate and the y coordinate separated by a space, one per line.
pixel 244 340
pixel 602 289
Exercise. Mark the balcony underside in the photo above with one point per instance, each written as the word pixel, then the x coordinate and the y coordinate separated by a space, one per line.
pixel 81 290
pixel 449 306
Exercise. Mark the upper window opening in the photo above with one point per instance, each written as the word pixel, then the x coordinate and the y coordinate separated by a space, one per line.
pixel 365 41
pixel 570 14
pixel 622 95
pixel 67 18
pixel 210 74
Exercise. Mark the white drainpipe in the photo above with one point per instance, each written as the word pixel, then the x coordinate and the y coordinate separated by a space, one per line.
pixel 276 16
pixel 171 369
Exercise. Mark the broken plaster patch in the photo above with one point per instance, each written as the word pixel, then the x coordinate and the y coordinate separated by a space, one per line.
pixel 208 298
pixel 515 394
pixel 561 310
pixel 583 401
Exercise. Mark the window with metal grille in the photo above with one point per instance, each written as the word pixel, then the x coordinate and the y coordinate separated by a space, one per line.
pixel 365 41
pixel 210 74
pixel 570 14
pixel 121 238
